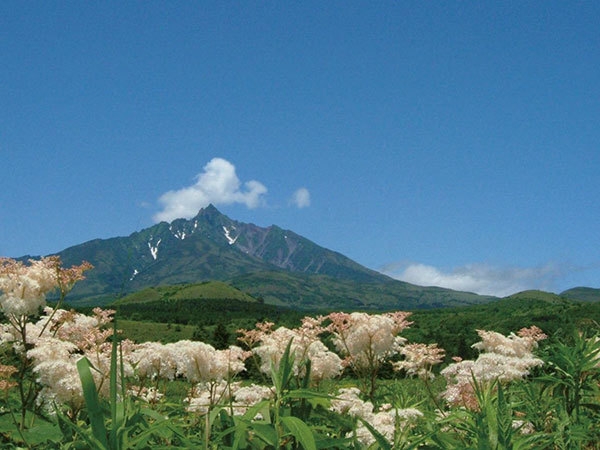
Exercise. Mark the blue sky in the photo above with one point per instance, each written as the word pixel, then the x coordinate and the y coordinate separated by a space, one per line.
pixel 443 143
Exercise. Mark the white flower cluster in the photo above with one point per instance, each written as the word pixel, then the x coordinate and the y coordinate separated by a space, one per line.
pixel 419 359
pixel 505 358
pixel 59 339
pixel 54 345
pixel 239 398
pixel 199 362
pixel 147 394
pixel 306 345
pixel 24 288
pixel 248 396
pixel 367 339
pixel 386 421
pixel 153 360
pixel 196 361
pixel 55 366
pixel 206 395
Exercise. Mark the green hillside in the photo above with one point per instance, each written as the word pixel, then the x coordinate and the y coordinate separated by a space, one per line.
pixel 213 290
pixel 312 292
pixel 583 294
pixel 201 304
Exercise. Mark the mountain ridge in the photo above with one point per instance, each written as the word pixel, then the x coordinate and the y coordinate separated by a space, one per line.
pixel 269 262
pixel 582 293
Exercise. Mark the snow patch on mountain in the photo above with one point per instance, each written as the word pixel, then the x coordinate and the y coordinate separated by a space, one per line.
pixel 154 248
pixel 230 239
pixel 135 272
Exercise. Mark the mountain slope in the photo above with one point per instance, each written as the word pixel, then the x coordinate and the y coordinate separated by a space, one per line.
pixel 326 292
pixel 276 264
pixel 584 294
pixel 211 290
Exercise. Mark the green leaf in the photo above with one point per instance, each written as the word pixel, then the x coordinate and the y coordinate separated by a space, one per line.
pixel 261 408
pixel 7 423
pixel 91 441
pixel 504 420
pixel 43 432
pixel 92 402
pixel 306 393
pixel 116 414
pixel 334 443
pixel 281 377
pixel 306 380
pixel 266 432
pixel 300 431
pixel 240 431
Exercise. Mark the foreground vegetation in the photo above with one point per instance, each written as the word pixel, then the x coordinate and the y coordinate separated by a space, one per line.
pixel 340 380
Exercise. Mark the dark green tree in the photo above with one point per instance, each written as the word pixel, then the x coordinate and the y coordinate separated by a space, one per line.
pixel 221 337
pixel 201 334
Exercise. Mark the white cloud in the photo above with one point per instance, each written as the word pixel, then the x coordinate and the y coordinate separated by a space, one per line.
pixel 301 198
pixel 217 184
pixel 479 278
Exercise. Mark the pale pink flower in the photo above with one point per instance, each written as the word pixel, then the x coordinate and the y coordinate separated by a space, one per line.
pixel 504 358
pixel 200 362
pixel 348 402
pixel 386 421
pixel 58 340
pixel 5 373
pixel 206 395
pixel 253 337
pixel 533 333
pixel 24 287
pixel 147 394
pixel 153 360
pixel 419 359
pixel 367 339
pixel 305 345
pixel 247 396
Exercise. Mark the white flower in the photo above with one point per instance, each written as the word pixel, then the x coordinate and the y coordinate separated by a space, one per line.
pixel 153 360
pixel 61 382
pixel 348 402
pixel 199 362
pixel 305 345
pixel 420 358
pixel 367 339
pixel 505 358
pixel 25 287
pixel 248 396
pixel 193 359
pixel 385 421
pixel 206 395
pixel 149 395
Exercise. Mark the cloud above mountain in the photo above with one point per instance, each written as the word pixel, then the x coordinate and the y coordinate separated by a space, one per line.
pixel 219 184
pixel 480 278
pixel 301 198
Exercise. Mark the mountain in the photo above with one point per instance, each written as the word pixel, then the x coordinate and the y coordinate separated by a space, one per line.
pixel 277 265
pixel 584 294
